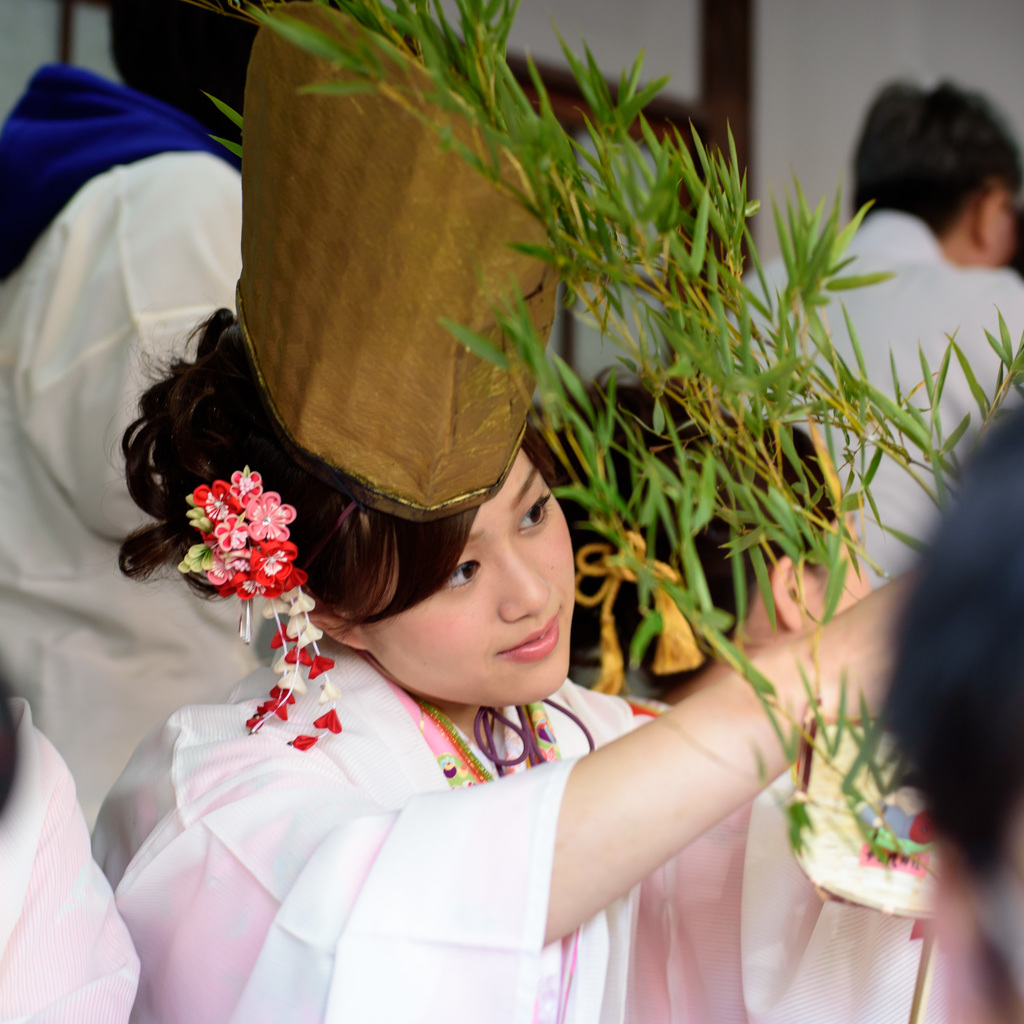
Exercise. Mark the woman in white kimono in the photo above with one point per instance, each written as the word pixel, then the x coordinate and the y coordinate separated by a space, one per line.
pixel 297 853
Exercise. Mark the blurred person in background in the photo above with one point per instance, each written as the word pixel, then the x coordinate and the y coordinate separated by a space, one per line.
pixel 957 709
pixel 65 953
pixel 943 171
pixel 120 222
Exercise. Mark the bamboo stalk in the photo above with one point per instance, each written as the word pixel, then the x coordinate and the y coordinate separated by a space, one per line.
pixel 924 977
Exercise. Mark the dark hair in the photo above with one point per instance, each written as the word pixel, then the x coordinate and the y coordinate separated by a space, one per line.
pixel 927 152
pixel 8 749
pixel 205 420
pixel 710 543
pixel 176 51
pixel 957 699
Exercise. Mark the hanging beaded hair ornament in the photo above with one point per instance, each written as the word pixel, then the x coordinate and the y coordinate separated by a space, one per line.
pixel 246 553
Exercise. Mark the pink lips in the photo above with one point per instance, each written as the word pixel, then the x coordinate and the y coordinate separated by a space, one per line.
pixel 536 646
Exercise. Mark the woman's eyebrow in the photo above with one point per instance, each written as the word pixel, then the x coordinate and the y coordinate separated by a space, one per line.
pixel 527 484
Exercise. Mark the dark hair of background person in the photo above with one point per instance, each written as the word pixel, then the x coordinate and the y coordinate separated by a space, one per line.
pixel 176 51
pixel 957 700
pixel 205 420
pixel 8 749
pixel 926 152
pixel 710 542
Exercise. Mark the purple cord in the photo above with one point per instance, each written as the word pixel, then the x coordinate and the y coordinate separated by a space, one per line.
pixel 483 731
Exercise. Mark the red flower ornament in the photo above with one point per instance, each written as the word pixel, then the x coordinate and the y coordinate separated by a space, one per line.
pixel 246 553
pixel 217 500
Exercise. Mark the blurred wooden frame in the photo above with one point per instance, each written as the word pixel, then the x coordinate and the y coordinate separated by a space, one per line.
pixel 725 90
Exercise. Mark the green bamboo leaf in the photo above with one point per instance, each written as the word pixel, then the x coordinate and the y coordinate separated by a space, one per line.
pixel 700 236
pixel 843 239
pixel 537 252
pixel 954 439
pixel 836 585
pixel 784 245
pixel 1004 337
pixel 842 284
pixel 799 822
pixel 650 627
pixel 232 115
pixel 905 538
pixel 1000 348
pixel 926 376
pixel 574 386
pixel 476 343
pixel 854 341
pixel 763 583
pixel 231 147
pixel 739 582
pixel 876 461
pixel 940 380
pixel 628 85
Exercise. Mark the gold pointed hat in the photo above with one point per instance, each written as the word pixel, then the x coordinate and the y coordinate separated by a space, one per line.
pixel 359 233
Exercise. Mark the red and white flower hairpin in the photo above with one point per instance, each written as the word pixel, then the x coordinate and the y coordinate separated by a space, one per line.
pixel 246 552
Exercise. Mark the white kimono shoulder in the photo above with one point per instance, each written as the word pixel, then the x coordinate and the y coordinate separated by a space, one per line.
pixel 65 954
pixel 346 882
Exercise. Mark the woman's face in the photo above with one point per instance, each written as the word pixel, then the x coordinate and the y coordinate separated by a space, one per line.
pixel 498 633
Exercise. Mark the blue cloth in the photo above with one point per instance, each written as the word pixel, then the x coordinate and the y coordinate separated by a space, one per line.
pixel 69 127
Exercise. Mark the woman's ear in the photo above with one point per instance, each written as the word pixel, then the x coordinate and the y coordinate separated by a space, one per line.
pixel 993 226
pixel 336 627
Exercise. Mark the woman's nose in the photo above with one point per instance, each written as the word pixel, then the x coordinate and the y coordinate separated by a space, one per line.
pixel 525 589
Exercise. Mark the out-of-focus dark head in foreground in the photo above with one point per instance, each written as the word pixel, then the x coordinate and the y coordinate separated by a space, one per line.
pixel 957 709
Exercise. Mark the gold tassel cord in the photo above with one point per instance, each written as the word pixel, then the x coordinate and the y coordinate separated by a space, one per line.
pixel 676 649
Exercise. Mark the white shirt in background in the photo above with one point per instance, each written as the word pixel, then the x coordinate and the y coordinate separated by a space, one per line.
pixel 928 299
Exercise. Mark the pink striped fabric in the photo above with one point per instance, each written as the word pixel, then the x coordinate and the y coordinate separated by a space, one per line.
pixel 65 954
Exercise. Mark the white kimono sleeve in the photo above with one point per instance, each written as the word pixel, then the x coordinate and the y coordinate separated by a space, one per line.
pixel 287 891
pixel 65 954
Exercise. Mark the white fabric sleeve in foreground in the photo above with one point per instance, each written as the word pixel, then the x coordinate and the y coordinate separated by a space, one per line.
pixel 295 897
pixel 65 954
pixel 456 905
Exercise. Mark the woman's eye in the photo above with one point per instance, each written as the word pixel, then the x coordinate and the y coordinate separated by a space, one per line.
pixel 462 575
pixel 536 512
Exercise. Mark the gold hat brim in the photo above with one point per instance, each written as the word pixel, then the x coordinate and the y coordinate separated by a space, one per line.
pixel 360 233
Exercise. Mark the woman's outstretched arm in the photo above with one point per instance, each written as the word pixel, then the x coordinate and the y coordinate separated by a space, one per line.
pixel 631 805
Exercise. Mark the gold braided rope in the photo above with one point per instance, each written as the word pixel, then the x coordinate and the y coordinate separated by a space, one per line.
pixel 676 649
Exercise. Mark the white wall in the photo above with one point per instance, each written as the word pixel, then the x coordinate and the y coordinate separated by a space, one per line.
pixel 818 64
pixel 668 31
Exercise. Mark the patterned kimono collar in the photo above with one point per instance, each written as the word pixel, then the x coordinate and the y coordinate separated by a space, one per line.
pixel 459 763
